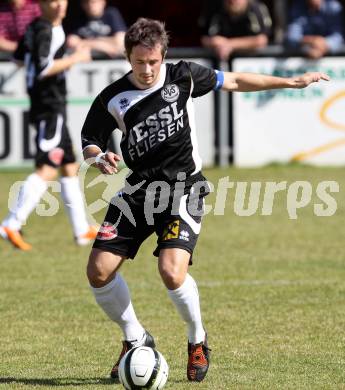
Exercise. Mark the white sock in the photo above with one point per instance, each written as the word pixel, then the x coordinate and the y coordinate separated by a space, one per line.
pixel 115 300
pixel 186 300
pixel 29 196
pixel 74 204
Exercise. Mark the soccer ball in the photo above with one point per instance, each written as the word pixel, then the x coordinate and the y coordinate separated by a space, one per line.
pixel 143 368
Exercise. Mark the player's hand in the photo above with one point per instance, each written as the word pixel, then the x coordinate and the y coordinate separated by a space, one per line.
pixel 309 78
pixel 108 163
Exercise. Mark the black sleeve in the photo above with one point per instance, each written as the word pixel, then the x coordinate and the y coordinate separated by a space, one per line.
pixel 98 125
pixel 204 79
pixel 41 47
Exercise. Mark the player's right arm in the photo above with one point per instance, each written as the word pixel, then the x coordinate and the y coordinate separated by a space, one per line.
pixel 97 128
pixel 82 54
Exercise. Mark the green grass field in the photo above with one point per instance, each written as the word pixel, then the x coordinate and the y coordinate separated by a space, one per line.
pixel 272 291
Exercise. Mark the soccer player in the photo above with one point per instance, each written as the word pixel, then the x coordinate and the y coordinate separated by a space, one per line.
pixel 152 106
pixel 42 50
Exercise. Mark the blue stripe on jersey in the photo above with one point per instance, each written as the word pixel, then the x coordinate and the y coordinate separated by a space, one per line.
pixel 220 79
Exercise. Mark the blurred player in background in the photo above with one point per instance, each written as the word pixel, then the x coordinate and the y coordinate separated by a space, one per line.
pixel 42 50
pixel 152 106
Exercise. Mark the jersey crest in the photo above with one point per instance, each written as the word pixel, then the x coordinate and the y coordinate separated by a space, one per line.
pixel 170 93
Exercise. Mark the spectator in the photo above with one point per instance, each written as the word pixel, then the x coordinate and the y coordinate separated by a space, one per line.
pixel 15 15
pixel 315 27
pixel 239 25
pixel 101 28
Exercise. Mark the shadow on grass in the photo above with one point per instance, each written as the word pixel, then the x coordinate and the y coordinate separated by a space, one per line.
pixel 59 382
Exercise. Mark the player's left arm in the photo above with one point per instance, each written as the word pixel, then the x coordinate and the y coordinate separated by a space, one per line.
pixel 250 82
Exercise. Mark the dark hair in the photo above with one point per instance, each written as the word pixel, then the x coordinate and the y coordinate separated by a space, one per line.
pixel 146 32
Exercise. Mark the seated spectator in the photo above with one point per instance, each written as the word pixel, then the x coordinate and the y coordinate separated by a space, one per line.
pixel 315 27
pixel 239 25
pixel 100 28
pixel 15 15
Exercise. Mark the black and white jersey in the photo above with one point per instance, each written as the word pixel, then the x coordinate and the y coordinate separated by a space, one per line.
pixel 40 46
pixel 157 124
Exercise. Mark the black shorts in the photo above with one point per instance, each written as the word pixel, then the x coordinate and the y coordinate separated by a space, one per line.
pixel 53 142
pixel 129 221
